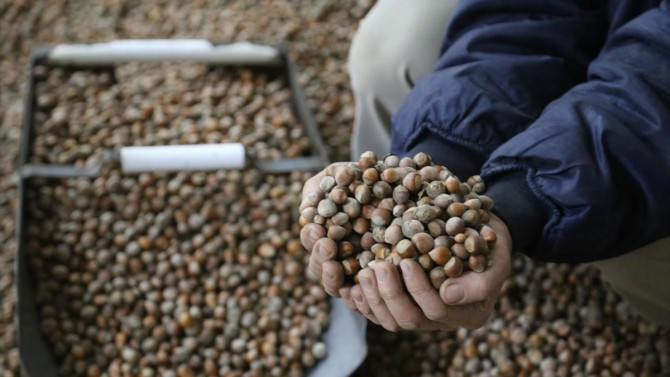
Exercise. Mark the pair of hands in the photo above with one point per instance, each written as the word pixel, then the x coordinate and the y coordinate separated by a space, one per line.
pixel 466 301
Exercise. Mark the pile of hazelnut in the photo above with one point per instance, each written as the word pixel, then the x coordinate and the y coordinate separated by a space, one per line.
pixel 397 208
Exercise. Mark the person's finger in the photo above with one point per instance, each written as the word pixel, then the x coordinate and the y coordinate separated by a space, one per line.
pixel 332 277
pixel 311 192
pixel 368 282
pixel 345 293
pixel 422 291
pixel 406 314
pixel 469 288
pixel 446 318
pixel 472 287
pixel 362 304
pixel 324 250
pixel 310 233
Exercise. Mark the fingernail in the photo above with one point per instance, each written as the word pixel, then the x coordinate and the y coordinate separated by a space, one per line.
pixel 406 273
pixel 381 275
pixel 365 282
pixel 454 293
pixel 313 236
pixel 328 275
pixel 357 298
pixel 323 252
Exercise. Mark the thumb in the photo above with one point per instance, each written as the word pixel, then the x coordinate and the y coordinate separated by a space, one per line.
pixel 468 288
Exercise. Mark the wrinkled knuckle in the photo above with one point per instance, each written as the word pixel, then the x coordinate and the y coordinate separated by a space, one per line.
pixel 433 316
pixel 375 300
pixel 392 327
pixel 388 294
pixel 331 291
pixel 417 292
pixel 366 311
pixel 410 323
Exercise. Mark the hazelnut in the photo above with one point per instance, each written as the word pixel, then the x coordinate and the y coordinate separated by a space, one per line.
pixel 443 241
pixel 427 213
pixel 382 190
pixel 453 185
pixel 435 189
pixel 326 208
pixel 407 162
pixel 471 218
pixel 381 251
pixel 401 194
pixel 413 182
pixel 393 234
pixel 351 266
pixel 436 228
pixel 344 175
pixel 454 226
pixel 360 225
pixel 391 161
pixel 351 208
pixel 380 217
pixel 363 194
pixel 486 202
pixel 405 248
pixel 454 267
pixel 370 176
pixel 336 232
pixel 477 263
pixel 422 159
pixel 475 204
pixel 411 227
pixel 458 249
pixel 365 257
pixel 345 249
pixel 394 258
pixel 437 277
pixel 340 219
pixel 426 262
pixel 443 200
pixel 398 210
pixel 484 216
pixel 367 240
pixel 440 255
pixel 423 241
pixel 428 173
pixel 391 175
pixel 476 245
pixel 327 183
pixel 339 195
pixel 488 234
pixel 379 233
pixel 456 209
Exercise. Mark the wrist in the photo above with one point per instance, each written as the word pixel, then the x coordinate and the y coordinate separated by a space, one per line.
pixel 518 208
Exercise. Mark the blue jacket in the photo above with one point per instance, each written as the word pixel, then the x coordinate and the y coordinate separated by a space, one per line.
pixel 563 106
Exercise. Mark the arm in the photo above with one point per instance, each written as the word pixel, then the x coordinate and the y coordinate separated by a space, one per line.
pixel 503 62
pixel 598 158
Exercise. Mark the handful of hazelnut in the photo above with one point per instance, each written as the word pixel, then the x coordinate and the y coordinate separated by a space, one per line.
pixel 403 208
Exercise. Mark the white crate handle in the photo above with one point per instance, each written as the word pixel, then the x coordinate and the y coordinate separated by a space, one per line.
pixel 158 50
pixel 182 157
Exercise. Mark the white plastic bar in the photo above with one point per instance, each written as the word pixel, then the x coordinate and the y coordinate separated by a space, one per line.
pixel 182 157
pixel 158 50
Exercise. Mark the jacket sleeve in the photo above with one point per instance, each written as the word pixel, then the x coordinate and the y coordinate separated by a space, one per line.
pixel 598 158
pixel 503 61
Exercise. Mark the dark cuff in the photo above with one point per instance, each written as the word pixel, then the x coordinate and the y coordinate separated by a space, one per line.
pixel 460 160
pixel 519 208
